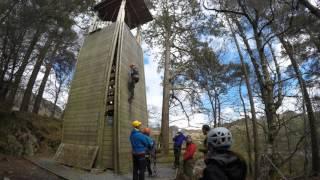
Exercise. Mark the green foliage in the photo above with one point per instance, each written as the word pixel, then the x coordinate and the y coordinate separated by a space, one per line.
pixel 25 26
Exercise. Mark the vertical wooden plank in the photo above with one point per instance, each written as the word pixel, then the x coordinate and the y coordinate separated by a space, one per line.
pixel 104 150
pixel 131 53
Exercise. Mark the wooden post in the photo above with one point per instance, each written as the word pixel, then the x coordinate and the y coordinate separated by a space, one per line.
pixel 116 136
pixel 114 52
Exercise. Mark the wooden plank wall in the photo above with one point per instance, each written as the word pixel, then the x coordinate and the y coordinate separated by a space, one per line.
pixel 131 53
pixel 80 124
pixel 72 155
pixel 86 101
pixel 107 154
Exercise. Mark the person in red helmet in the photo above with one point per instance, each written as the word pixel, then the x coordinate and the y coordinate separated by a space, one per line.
pixel 188 160
pixel 150 154
pixel 146 131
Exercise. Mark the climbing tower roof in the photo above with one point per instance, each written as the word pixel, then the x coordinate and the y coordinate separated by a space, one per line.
pixel 137 12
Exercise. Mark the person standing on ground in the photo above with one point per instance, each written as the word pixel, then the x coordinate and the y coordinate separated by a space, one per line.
pixel 188 161
pixel 221 163
pixel 205 130
pixel 150 153
pixel 178 141
pixel 139 143
pixel 199 164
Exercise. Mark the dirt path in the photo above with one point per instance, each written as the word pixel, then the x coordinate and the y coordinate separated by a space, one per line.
pixel 164 171
pixel 17 168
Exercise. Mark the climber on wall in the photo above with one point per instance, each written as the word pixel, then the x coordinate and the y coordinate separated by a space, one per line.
pixel 133 79
pixel 140 143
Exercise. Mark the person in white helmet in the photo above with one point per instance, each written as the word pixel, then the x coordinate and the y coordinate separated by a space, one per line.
pixel 178 140
pixel 221 162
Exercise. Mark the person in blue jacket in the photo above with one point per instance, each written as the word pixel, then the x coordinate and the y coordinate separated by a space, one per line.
pixel 178 141
pixel 140 144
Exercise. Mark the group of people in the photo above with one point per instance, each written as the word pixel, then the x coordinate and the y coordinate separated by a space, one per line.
pixel 188 156
pixel 143 150
pixel 220 162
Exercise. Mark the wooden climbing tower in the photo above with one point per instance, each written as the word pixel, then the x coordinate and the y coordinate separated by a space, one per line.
pixel 98 116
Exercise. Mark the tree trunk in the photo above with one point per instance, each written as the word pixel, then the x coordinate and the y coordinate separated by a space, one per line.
pixel 306 143
pixel 314 10
pixel 4 70
pixel 5 87
pixel 38 100
pixel 219 112
pixel 28 92
pixel 55 101
pixel 12 55
pixel 4 59
pixel 166 98
pixel 270 109
pixel 288 147
pixel 211 103
pixel 18 76
pixel 308 104
pixel 279 81
pixel 6 64
pixel 247 129
pixel 215 110
pixel 266 86
pixel 13 67
pixel 252 107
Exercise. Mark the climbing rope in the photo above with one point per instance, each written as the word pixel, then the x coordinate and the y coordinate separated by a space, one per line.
pixel 274 166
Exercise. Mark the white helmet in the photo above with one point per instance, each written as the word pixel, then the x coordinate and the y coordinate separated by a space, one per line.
pixel 219 137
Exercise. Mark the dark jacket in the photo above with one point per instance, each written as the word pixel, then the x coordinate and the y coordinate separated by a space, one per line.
pixel 152 151
pixel 178 140
pixel 204 149
pixel 140 142
pixel 224 165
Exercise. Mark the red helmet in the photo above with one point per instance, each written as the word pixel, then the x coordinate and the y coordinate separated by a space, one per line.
pixel 146 131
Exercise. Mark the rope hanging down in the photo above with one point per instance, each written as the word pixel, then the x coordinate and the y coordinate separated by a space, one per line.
pixel 275 167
